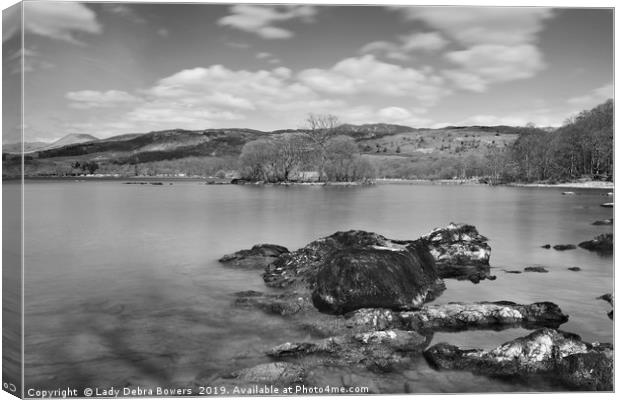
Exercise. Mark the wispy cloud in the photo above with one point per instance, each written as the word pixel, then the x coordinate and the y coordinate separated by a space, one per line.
pixel 406 45
pixel 85 99
pixel 32 61
pixel 124 11
pixel 262 19
pixel 594 97
pixel 59 20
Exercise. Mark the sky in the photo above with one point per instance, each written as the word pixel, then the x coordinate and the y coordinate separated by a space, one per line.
pixel 113 68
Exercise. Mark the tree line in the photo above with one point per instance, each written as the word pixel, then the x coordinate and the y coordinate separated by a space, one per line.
pixel 581 147
pixel 316 153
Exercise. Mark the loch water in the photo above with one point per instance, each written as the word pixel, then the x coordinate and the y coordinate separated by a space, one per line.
pixel 122 284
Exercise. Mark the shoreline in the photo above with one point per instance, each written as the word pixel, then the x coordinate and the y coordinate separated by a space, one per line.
pixel 378 181
pixel 575 185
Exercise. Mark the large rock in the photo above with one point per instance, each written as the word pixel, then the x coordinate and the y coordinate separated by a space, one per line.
pixel 460 252
pixel 258 257
pixel 603 244
pixel 545 351
pixel 357 269
pixel 376 350
pixel 460 316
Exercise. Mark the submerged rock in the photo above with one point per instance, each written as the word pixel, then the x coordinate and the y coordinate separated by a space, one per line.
pixel 512 271
pixel 357 269
pixel 258 257
pixel 287 303
pixel 562 247
pixel 603 244
pixel 560 355
pixel 460 252
pixel 535 269
pixel 376 350
pixel 277 373
pixel 460 316
pixel 609 221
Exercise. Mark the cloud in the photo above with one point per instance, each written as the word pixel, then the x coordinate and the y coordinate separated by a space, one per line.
pixel 260 19
pixel 60 20
pixel 427 41
pixel 366 114
pixel 367 75
pixel 498 43
pixel 124 11
pixel 270 58
pixel 482 65
pixel 85 99
pixel 32 61
pixel 163 32
pixel 406 45
pixel 483 25
pixel 355 89
pixel 595 97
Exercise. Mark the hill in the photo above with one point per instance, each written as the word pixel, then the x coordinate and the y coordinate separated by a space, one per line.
pixel 66 140
pixel 394 150
pixel 15 148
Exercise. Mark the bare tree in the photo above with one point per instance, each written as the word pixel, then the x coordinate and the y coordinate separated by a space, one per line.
pixel 320 129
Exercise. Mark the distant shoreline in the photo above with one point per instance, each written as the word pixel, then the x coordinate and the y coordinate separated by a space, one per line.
pixel 379 181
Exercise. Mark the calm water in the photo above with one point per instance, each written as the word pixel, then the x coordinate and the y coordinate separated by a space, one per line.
pixel 122 285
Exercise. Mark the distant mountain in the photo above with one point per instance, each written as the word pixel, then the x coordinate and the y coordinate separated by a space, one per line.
pixel 372 131
pixel 160 145
pixel 71 138
pixel 30 147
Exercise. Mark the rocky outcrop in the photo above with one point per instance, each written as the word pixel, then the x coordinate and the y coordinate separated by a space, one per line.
pixel 356 269
pixel 602 244
pixel 562 247
pixel 608 297
pixel 376 350
pixel 460 316
pixel 560 355
pixel 609 221
pixel 258 257
pixel 460 252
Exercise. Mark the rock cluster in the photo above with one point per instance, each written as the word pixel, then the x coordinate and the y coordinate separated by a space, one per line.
pixel 362 298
